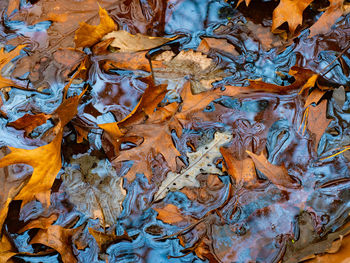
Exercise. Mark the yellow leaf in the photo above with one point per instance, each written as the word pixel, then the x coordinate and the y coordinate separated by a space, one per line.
pixel 88 35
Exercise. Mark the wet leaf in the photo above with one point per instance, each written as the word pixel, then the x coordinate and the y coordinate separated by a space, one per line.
pixel 5 58
pixel 7 251
pixel 201 161
pixel 104 240
pixel 339 96
pixel 12 6
pixel 170 214
pixel 29 122
pixel 88 35
pixel 317 121
pixel 278 175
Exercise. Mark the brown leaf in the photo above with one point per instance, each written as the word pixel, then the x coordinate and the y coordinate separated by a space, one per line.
pixel 58 238
pixel 13 5
pixel 290 11
pixel 29 122
pixel 6 249
pixel 104 240
pixel 314 97
pixel 317 121
pixel 41 222
pixel 243 171
pixel 170 214
pixel 88 35
pixel 217 44
pixel 328 18
pixel 278 175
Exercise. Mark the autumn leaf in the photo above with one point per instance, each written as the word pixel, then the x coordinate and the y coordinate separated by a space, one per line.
pixel 221 45
pixel 290 11
pixel 88 35
pixel 13 5
pixel 201 161
pixel 328 18
pixel 278 175
pixel 7 251
pixel 170 214
pixel 314 97
pixel 4 59
pixel 58 238
pixel 247 2
pixel 243 171
pixel 29 122
pixel 41 223
pixel 104 240
pixel 317 121
pixel 125 42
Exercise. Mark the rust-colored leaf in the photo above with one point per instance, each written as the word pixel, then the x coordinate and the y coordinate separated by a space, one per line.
pixel 29 122
pixel 104 240
pixel 170 214
pixel 317 121
pixel 13 5
pixel 41 222
pixel 88 35
pixel 6 249
pixel 278 175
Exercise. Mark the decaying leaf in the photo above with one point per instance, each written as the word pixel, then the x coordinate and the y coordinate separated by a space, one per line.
pixel 290 11
pixel 278 175
pixel 29 122
pixel 221 45
pixel 88 35
pixel 201 161
pixel 41 222
pixel 93 187
pixel 339 96
pixel 58 238
pixel 126 42
pixel 317 121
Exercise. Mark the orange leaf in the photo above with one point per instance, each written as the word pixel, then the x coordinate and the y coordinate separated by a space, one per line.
pixel 41 222
pixel 58 238
pixel 314 97
pixel 29 122
pixel 104 240
pixel 6 249
pixel 278 175
pixel 88 35
pixel 317 121
pixel 13 5
pixel 290 11
pixel 170 214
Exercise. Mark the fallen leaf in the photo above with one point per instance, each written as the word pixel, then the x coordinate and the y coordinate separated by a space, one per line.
pixel 243 171
pixel 126 42
pixel 29 122
pixel 41 222
pixel 247 2
pixel 339 96
pixel 104 240
pixel 328 18
pixel 310 83
pixel 278 175
pixel 290 11
pixel 317 121
pixel 7 251
pixel 170 214
pixel 88 35
pixel 221 45
pixel 13 5
pixel 201 161
pixel 4 59
pixel 314 97
pixel 93 187
pixel 58 238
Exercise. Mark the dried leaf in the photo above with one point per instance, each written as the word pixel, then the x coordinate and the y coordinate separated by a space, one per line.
pixel 328 18
pixel 88 35
pixel 278 175
pixel 247 2
pixel 290 11
pixel 126 42
pixel 314 97
pixel 6 249
pixel 339 96
pixel 41 222
pixel 13 5
pixel 58 238
pixel 201 161
pixel 317 121
pixel 221 45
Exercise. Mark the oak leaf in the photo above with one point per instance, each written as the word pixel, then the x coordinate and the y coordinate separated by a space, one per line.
pixel 104 240
pixel 317 121
pixel 201 161
pixel 278 175
pixel 58 238
pixel 170 214
pixel 29 122
pixel 290 11
pixel 88 35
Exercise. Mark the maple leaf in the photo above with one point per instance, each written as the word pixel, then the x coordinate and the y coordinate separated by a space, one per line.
pixel 317 121
pixel 4 59
pixel 58 238
pixel 88 35
pixel 328 18
pixel 278 175
pixel 123 41
pixel 201 161
pixel 290 11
